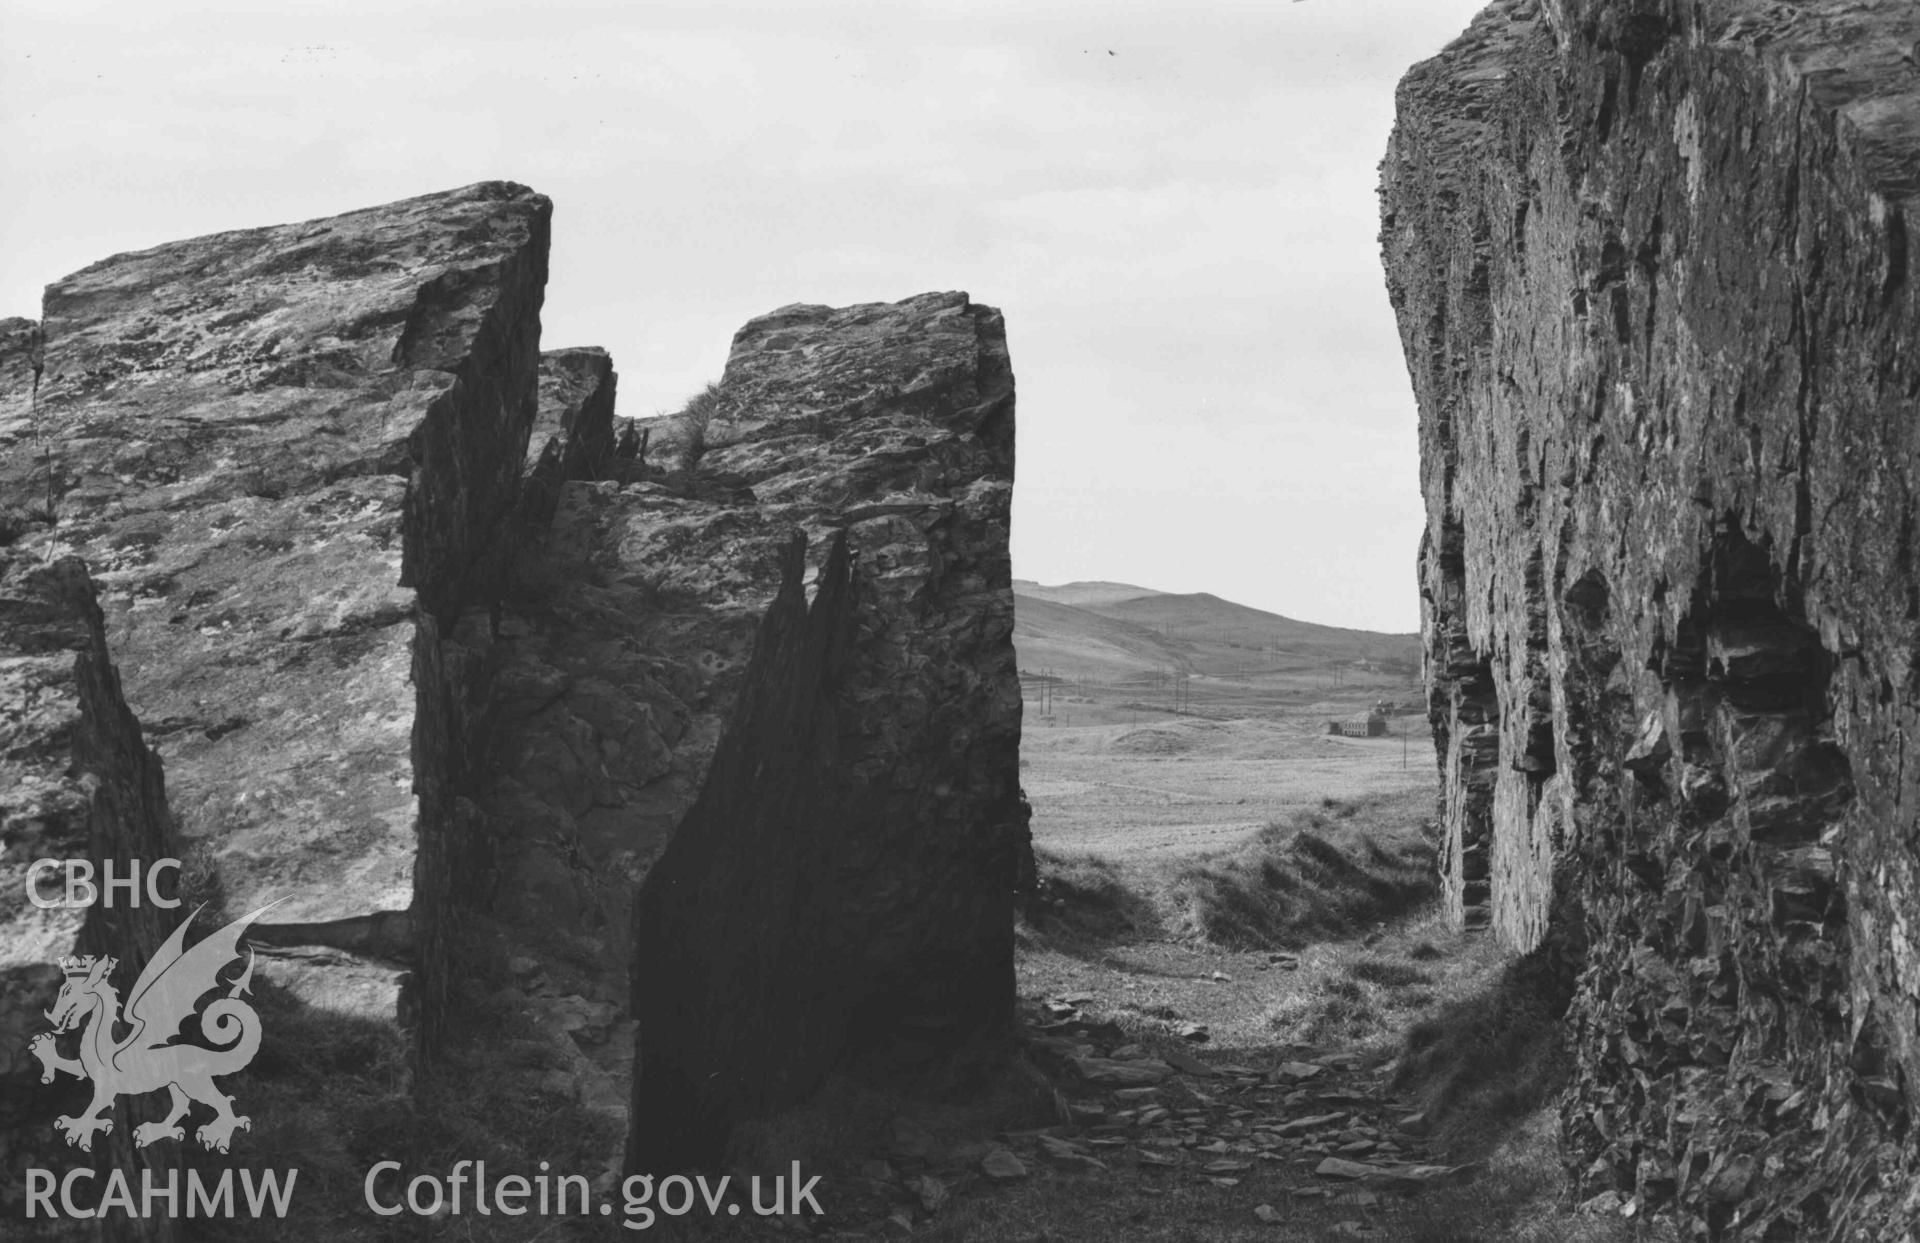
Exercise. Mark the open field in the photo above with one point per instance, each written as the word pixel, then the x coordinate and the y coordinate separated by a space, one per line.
pixel 1175 785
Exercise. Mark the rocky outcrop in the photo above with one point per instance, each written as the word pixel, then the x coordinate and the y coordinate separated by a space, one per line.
pixel 291 457
pixel 658 616
pixel 1650 262
pixel 573 434
pixel 77 782
pixel 895 830
pixel 440 663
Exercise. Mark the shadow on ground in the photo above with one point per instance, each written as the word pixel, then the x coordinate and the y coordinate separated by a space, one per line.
pixel 1220 1053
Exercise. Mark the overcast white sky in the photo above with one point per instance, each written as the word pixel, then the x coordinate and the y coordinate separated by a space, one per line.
pixel 1172 201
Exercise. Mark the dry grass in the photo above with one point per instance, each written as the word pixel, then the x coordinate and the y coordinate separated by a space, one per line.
pixel 1492 1054
pixel 1343 867
pixel 693 425
pixel 1087 897
pixel 1174 789
pixel 1363 997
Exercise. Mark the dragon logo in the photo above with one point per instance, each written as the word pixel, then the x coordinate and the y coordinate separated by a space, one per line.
pixel 144 1059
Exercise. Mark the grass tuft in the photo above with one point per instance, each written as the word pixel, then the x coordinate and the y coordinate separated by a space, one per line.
pixel 1485 1060
pixel 1388 974
pixel 1086 897
pixel 1350 865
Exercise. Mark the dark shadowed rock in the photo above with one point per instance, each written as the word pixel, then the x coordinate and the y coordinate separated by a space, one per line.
pixel 1651 266
pixel 573 433
pixel 888 428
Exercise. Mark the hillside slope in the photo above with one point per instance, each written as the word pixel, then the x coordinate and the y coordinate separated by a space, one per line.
pixel 1107 631
pixel 1082 595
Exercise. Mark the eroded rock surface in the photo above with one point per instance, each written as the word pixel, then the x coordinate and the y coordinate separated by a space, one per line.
pixel 291 457
pixel 1651 267
pixel 77 782
pixel 438 660
pixel 891 816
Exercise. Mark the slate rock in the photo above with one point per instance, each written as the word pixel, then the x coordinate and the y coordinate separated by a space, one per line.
pixel 1002 1166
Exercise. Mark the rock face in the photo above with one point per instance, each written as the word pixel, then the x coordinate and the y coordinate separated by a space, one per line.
pixel 291 457
pixel 436 660
pixel 77 782
pixel 847 874
pixel 1651 267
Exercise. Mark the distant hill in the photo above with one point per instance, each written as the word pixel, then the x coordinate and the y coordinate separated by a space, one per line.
pixel 1079 643
pixel 1107 631
pixel 1081 595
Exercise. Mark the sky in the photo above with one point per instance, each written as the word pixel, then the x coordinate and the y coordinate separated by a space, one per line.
pixel 1172 203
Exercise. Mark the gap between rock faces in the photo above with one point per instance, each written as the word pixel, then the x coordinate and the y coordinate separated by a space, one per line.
pixel 1170 1088
pixel 622 665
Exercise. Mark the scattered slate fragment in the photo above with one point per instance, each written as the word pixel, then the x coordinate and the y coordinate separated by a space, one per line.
pixel 910 1139
pixel 1002 1166
pixel 1079 1163
pixel 1187 1064
pixel 930 1191
pixel 1605 1202
pixel 1340 1167
pixel 1139 1073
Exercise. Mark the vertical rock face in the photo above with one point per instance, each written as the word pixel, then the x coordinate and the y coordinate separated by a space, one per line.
pixel 77 782
pixel 740 1015
pixel 291 457
pixel 429 654
pixel 853 882
pixel 573 435
pixel 1651 267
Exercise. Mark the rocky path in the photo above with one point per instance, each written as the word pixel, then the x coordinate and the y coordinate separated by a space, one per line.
pixel 1304 1128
